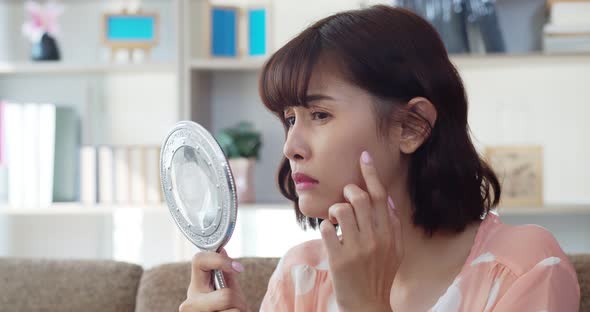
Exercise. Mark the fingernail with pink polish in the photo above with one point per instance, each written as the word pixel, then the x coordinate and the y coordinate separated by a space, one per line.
pixel 237 266
pixel 390 202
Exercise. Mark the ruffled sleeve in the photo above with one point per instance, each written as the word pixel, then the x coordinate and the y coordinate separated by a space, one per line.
pixel 551 285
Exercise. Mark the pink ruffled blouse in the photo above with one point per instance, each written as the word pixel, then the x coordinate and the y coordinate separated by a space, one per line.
pixel 509 268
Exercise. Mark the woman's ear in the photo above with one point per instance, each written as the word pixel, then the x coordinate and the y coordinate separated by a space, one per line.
pixel 415 131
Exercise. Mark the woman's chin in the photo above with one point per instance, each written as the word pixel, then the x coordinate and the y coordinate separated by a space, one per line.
pixel 314 207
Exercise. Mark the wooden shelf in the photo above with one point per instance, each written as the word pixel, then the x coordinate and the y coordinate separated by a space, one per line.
pixel 10 68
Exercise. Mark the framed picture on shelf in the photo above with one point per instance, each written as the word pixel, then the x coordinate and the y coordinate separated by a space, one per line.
pixel 223 34
pixel 520 171
pixel 237 31
pixel 127 31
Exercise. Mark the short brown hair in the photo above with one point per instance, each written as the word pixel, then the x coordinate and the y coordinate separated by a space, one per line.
pixel 395 55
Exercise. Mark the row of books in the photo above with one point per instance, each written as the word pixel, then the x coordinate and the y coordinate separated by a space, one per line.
pixel 42 161
pixel 38 147
pixel 568 29
pixel 120 174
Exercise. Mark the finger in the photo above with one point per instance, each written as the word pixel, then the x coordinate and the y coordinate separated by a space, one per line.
pixel 375 188
pixel 343 213
pixel 361 203
pixel 396 224
pixel 220 300
pixel 330 238
pixel 203 264
pixel 231 278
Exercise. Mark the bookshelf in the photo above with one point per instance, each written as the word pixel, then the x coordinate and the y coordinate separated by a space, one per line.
pixel 220 92
pixel 162 208
pixel 29 68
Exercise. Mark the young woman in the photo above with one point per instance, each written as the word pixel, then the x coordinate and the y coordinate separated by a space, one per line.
pixel 377 145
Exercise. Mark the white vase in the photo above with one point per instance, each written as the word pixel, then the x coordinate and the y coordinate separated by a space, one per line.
pixel 243 172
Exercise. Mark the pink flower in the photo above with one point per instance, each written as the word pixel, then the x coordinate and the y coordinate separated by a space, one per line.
pixel 41 19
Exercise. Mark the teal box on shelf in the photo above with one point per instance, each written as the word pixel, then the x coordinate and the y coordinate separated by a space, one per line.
pixel 257 31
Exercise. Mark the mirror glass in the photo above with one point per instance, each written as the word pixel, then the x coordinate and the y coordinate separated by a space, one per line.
pixel 194 182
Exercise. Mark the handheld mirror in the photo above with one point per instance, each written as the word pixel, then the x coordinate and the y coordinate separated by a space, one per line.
pixel 199 188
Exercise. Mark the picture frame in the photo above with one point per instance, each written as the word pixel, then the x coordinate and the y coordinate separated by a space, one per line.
pixel 223 31
pixel 129 31
pixel 519 169
pixel 258 21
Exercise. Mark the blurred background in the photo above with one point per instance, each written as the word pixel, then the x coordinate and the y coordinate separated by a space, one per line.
pixel 89 90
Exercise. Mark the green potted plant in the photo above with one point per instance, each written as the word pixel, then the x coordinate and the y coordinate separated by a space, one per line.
pixel 241 145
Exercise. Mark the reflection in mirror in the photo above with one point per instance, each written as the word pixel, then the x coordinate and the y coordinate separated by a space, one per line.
pixel 193 181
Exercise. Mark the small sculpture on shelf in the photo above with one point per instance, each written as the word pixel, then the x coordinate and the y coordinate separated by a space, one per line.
pixel 241 145
pixel 41 27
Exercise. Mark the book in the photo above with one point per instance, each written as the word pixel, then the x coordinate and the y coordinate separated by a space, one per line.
pixel 88 174
pixel 3 166
pixel 121 174
pixel 570 13
pixel 562 44
pixel 30 156
pixel 66 156
pixel 137 174
pixel 2 148
pixel 14 139
pixel 106 180
pixel 152 176
pixel 46 153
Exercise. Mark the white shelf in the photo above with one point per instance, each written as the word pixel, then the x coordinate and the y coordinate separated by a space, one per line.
pixel 98 209
pixel 237 64
pixel 252 64
pixel 544 210
pixel 80 209
pixel 14 68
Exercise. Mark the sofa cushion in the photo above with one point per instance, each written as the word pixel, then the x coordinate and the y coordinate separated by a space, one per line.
pixel 68 285
pixel 582 264
pixel 163 288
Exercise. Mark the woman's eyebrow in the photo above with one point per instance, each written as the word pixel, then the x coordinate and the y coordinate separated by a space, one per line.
pixel 317 97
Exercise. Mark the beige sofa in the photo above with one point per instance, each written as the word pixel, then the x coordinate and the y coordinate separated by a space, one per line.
pixel 109 286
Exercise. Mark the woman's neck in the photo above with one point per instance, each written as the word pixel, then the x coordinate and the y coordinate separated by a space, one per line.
pixel 426 256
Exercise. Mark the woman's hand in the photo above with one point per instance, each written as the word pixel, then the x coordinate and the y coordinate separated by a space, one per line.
pixel 201 295
pixel 363 264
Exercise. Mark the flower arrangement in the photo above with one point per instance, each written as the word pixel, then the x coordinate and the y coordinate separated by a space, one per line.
pixel 41 19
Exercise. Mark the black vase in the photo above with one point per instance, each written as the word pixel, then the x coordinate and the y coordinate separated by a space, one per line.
pixel 45 49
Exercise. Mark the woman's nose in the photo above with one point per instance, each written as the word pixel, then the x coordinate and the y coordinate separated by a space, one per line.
pixel 296 147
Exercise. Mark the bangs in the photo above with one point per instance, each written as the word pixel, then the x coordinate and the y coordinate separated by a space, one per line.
pixel 285 76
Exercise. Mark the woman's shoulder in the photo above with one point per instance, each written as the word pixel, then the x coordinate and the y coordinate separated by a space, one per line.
pixel 309 253
pixel 518 247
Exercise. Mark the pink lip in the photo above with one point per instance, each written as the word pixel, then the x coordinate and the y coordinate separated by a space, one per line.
pixel 303 186
pixel 303 181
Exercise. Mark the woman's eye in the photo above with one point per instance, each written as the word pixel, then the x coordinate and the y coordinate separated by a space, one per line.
pixel 320 115
pixel 290 121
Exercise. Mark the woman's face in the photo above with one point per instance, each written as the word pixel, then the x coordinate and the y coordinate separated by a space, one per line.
pixel 325 141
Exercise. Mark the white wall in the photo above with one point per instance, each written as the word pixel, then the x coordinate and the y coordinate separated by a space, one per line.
pixel 542 101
